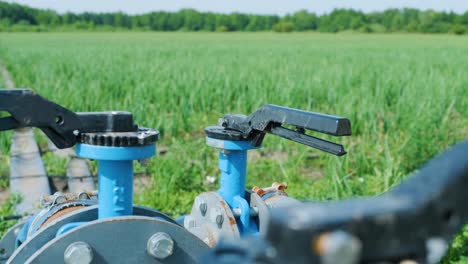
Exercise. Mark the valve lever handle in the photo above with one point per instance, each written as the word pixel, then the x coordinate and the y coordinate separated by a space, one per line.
pixel 28 109
pixel 272 119
pixel 63 127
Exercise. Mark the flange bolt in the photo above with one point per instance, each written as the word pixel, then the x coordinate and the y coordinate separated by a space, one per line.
pixel 78 253
pixel 160 245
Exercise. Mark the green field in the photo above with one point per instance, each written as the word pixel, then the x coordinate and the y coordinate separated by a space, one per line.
pixel 406 96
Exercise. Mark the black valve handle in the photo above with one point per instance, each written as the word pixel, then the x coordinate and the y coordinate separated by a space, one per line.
pixel 271 119
pixel 65 128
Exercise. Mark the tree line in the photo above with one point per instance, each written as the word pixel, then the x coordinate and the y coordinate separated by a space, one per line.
pixel 15 17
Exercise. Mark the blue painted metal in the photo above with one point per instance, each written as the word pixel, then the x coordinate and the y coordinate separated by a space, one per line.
pixel 115 153
pixel 251 229
pixel 233 166
pixel 67 227
pixel 243 205
pixel 115 184
pixel 23 234
pixel 115 175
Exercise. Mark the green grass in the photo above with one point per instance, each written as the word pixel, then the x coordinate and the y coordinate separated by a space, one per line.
pixel 7 209
pixel 405 95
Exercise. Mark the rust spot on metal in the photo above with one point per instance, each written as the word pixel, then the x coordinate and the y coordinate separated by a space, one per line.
pixel 275 187
pixel 60 214
pixel 232 221
pixel 222 203
pixel 318 244
pixel 280 186
pixel 259 191
pixel 210 239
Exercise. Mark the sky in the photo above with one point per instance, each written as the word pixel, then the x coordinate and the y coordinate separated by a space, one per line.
pixel 279 7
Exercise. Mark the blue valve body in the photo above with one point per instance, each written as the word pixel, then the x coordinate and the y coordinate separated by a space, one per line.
pixel 233 166
pixel 115 175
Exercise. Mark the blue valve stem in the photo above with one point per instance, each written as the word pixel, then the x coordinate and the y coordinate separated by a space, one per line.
pixel 115 175
pixel 233 164
pixel 115 188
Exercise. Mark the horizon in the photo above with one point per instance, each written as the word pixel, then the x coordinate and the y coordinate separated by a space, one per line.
pixel 274 7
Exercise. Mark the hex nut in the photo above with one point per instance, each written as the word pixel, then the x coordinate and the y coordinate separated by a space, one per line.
pixel 160 245
pixel 78 253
